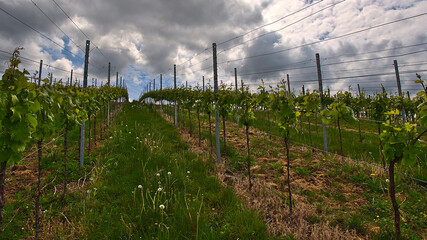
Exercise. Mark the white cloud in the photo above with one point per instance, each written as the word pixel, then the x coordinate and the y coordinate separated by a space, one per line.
pixel 151 36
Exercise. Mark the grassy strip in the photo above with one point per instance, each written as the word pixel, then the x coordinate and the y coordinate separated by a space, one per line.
pixel 135 196
pixel 349 196
pixel 21 189
pixel 368 150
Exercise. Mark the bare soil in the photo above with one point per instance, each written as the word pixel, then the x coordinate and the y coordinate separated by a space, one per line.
pixel 312 213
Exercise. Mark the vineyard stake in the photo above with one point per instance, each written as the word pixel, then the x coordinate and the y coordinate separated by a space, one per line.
pixel 174 87
pixel 117 84
pixel 108 113
pixel 319 77
pixel 71 78
pixel 161 98
pixel 399 89
pixel 109 71
pixel 235 81
pixel 289 83
pixel 82 139
pixel 215 72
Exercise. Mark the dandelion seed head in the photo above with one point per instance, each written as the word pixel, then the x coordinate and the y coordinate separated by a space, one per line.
pixel 162 206
pixel 140 186
pixel 169 173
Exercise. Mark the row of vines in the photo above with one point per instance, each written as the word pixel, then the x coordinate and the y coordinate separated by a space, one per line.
pixel 401 121
pixel 31 113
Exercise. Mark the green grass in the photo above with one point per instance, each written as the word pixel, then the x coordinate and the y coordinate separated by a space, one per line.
pixel 196 205
pixel 19 222
pixel 363 218
pixel 140 145
pixel 368 150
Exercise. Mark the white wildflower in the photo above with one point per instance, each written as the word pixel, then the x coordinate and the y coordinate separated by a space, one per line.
pixel 140 186
pixel 159 189
pixel 158 174
pixel 162 206
pixel 188 172
pixel 387 180
pixel 169 173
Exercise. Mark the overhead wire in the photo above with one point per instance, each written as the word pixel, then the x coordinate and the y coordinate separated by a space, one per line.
pixel 371 75
pixel 268 24
pixel 376 51
pixel 78 46
pixel 375 58
pixel 246 33
pixel 37 31
pixel 38 62
pixel 84 34
pixel 325 40
pixel 280 29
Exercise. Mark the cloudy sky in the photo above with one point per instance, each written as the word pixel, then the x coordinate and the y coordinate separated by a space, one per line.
pixel 264 39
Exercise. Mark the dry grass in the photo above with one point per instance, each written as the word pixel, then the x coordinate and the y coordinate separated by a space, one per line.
pixel 269 192
pixel 272 206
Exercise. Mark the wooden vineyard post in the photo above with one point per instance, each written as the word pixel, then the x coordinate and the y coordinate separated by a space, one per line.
pixel 174 87
pixel 82 138
pixel 399 89
pixel 215 72
pixel 235 82
pixel 117 85
pixel 319 78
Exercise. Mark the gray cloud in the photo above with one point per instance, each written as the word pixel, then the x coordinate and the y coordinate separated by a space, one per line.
pixel 153 35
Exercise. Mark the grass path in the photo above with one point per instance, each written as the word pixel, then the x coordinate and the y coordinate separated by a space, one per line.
pixel 334 199
pixel 151 186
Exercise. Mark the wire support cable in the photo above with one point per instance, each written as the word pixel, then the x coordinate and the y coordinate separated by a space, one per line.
pixel 280 29
pixel 373 165
pixel 268 24
pixel 248 32
pixel 37 31
pixel 325 40
pixel 78 46
pixel 75 24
